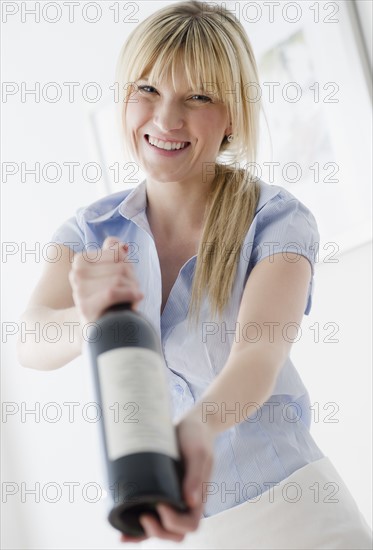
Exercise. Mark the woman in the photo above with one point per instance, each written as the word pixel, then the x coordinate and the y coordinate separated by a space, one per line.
pixel 222 265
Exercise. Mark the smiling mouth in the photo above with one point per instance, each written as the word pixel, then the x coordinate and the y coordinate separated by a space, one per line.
pixel 167 145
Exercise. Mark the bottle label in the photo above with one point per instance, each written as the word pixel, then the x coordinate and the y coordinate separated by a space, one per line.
pixel 136 404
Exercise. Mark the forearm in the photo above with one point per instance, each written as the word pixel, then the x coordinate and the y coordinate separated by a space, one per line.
pixel 244 384
pixel 49 338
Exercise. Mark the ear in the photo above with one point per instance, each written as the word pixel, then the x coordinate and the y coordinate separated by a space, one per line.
pixel 228 130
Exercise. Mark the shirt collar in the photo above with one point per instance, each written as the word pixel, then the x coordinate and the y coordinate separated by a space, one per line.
pixel 133 207
pixel 136 200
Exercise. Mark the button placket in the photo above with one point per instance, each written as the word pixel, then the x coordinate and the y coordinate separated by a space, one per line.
pixel 176 307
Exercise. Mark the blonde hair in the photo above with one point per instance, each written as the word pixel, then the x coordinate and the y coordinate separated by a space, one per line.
pixel 215 51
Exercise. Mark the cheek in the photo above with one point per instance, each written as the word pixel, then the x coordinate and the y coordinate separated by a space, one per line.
pixel 209 124
pixel 136 115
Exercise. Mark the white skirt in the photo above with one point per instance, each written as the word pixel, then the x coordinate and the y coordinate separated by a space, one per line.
pixel 310 509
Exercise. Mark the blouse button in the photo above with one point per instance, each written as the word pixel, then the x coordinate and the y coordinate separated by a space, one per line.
pixel 179 388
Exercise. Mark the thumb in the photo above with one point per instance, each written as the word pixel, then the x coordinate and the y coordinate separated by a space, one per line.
pixel 193 478
pixel 116 245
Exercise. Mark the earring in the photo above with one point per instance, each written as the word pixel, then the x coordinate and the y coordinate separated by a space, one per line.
pixel 230 138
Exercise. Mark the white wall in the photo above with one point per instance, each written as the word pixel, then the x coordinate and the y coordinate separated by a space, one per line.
pixel 338 374
pixel 64 451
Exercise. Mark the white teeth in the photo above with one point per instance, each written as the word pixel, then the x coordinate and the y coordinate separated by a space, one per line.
pixel 167 145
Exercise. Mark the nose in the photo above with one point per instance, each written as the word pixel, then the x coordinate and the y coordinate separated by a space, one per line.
pixel 168 116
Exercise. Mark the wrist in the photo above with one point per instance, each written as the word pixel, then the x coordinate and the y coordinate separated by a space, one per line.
pixel 199 415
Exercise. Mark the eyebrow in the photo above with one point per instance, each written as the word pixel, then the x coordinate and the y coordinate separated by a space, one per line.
pixel 145 79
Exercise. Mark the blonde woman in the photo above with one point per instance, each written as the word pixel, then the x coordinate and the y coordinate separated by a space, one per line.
pixel 220 263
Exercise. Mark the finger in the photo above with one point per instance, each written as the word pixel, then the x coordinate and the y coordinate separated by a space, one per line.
pixel 128 538
pixel 116 246
pixel 107 298
pixel 178 522
pixel 88 285
pixel 136 303
pixel 198 463
pixel 117 252
pixel 110 241
pixel 119 294
pixel 153 529
pixel 206 476
pixel 93 254
pixel 102 261
pixel 106 262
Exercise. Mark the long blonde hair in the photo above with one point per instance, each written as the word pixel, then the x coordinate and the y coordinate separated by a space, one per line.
pixel 214 49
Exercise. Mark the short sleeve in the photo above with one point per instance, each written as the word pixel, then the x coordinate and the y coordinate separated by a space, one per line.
pixel 70 234
pixel 287 226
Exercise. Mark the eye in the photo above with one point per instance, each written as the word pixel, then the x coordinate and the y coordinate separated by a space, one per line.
pixel 150 90
pixel 146 88
pixel 202 98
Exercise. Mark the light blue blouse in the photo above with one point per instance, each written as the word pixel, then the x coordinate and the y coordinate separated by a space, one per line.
pixel 275 440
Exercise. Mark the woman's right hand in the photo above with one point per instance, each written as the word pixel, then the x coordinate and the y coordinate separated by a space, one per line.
pixel 100 282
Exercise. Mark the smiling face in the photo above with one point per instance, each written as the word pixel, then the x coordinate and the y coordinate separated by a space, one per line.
pixel 192 121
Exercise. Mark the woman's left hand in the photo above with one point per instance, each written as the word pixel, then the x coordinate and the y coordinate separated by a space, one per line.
pixel 196 445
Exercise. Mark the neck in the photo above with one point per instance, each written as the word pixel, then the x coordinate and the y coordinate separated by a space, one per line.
pixel 176 208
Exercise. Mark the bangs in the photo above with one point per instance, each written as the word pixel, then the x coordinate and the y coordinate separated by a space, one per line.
pixel 192 46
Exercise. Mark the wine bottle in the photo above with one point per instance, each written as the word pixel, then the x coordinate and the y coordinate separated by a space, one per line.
pixel 143 465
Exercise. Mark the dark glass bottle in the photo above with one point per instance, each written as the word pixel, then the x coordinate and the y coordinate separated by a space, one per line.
pixel 143 464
